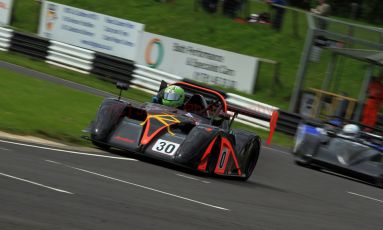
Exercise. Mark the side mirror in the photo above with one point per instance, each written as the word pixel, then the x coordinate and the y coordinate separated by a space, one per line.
pixel 122 85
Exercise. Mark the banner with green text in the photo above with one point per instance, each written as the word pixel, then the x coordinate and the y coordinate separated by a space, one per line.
pixel 198 62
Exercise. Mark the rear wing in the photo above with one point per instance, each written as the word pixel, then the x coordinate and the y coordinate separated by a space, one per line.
pixel 254 117
pixel 243 109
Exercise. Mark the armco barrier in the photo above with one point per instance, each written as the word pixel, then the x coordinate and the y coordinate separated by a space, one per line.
pixel 150 79
pixel 5 38
pixel 288 122
pixel 245 102
pixel 113 67
pixel 71 57
pixel 29 44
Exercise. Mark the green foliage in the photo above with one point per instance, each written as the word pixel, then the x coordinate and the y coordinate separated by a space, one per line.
pixel 25 15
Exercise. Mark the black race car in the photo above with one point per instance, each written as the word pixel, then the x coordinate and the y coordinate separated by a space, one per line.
pixel 198 136
pixel 327 146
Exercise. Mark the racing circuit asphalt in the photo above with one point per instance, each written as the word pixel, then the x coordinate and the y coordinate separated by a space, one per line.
pixel 46 188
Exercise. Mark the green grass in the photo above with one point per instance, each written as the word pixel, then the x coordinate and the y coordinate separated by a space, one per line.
pixel 40 108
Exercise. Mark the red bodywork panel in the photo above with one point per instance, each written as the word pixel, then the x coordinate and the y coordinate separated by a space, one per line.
pixel 203 164
pixel 226 152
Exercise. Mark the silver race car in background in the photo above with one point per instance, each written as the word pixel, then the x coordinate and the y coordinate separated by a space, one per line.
pixel 348 150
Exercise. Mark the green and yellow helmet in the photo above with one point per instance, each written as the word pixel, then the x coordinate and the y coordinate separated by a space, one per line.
pixel 173 96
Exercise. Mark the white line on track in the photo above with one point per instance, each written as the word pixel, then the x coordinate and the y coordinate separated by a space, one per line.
pixel 192 178
pixel 367 197
pixel 68 151
pixel 31 182
pixel 276 150
pixel 140 186
pixel 1 148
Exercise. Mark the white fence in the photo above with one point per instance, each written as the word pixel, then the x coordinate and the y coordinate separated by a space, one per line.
pixel 70 57
pixel 5 38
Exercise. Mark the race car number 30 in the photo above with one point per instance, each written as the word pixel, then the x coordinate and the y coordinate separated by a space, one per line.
pixel 165 147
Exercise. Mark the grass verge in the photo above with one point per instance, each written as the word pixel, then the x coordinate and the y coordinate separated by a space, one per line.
pixel 35 107
pixel 89 80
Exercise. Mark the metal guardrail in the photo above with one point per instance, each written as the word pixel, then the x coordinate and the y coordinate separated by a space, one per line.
pixel 30 45
pixel 112 67
pixel 288 122
pixel 5 38
pixel 253 105
pixel 150 79
pixel 70 57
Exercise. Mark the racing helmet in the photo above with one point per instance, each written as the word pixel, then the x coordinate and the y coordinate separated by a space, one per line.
pixel 351 130
pixel 173 96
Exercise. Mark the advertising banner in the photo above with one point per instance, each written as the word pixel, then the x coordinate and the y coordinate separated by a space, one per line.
pixel 198 62
pixel 5 11
pixel 90 30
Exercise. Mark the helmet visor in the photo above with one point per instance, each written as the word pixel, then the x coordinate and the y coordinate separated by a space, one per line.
pixel 172 96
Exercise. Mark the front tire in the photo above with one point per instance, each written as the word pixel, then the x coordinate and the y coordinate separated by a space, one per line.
pixel 247 146
pixel 109 114
pixel 251 149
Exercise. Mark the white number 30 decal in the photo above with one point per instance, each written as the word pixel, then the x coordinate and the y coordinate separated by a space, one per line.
pixel 165 147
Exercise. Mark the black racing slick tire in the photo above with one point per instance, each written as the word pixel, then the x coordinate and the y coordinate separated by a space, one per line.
pixel 253 148
pixel 108 115
pixel 248 147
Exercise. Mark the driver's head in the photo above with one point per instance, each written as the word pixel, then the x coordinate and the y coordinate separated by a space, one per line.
pixel 351 130
pixel 173 96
